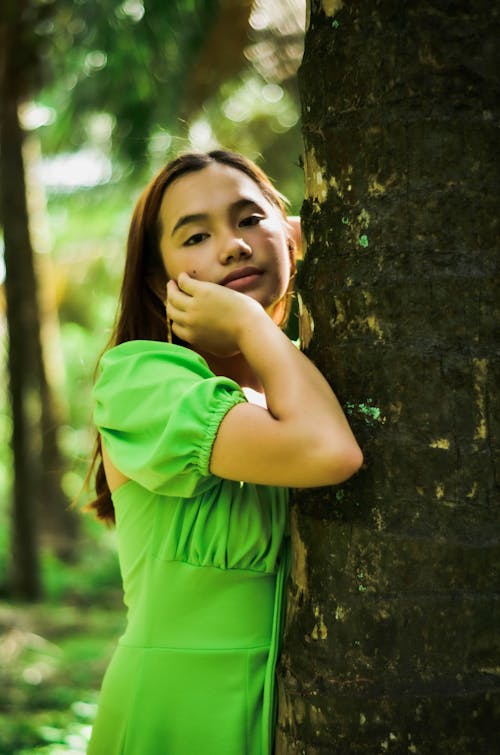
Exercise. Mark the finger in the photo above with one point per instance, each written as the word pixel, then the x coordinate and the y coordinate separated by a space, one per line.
pixel 171 287
pixel 176 297
pixel 181 331
pixel 168 288
pixel 187 284
pixel 174 313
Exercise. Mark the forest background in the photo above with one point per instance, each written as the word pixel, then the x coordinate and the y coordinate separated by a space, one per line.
pixel 106 93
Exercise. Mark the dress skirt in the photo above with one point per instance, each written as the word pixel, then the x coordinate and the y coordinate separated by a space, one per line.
pixel 199 678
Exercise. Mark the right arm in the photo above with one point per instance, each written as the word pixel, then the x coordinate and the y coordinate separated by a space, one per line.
pixel 303 439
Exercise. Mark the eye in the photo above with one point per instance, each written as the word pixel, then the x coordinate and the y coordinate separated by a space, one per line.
pixel 251 220
pixel 196 238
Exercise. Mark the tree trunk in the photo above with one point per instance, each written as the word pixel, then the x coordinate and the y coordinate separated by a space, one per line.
pixel 37 460
pixel 23 325
pixel 58 523
pixel 220 56
pixel 392 641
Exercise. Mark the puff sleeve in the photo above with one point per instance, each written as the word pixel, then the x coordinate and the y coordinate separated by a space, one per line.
pixel 158 407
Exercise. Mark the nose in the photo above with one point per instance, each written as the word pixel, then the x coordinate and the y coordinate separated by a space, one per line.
pixel 234 248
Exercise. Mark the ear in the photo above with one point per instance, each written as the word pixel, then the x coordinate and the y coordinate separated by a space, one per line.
pixel 295 232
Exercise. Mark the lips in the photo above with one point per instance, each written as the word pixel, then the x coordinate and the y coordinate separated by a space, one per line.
pixel 250 273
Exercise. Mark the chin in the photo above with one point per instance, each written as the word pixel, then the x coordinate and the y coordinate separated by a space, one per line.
pixel 273 303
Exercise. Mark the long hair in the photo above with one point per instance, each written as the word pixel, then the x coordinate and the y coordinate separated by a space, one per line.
pixel 141 312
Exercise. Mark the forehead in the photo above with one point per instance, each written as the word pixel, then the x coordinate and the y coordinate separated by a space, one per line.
pixel 208 191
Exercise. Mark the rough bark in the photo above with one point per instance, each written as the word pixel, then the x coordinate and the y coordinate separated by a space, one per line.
pixel 392 641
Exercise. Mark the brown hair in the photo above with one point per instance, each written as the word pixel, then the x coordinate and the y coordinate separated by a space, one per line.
pixel 141 312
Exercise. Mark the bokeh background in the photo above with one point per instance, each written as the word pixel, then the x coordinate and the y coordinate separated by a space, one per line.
pixel 106 93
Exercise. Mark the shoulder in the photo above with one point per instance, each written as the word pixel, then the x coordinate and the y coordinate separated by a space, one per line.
pixel 152 355
pixel 141 381
pixel 139 373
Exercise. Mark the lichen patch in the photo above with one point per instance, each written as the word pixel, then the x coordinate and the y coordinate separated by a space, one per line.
pixel 341 612
pixel 480 367
pixel 331 7
pixel 374 326
pixel 375 189
pixel 316 183
pixel 299 558
pixel 320 630
pixel 443 443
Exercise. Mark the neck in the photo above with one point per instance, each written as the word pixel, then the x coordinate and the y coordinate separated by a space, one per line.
pixel 236 368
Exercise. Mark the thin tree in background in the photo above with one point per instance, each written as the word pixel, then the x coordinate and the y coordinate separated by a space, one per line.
pixel 22 320
pixel 392 633
pixel 37 459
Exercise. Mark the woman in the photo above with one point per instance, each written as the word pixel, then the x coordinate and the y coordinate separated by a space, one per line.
pixel 199 440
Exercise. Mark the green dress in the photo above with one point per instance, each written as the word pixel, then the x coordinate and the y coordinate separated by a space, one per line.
pixel 204 563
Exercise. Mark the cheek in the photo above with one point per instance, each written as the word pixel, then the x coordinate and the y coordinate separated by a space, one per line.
pixel 172 262
pixel 167 259
pixel 185 263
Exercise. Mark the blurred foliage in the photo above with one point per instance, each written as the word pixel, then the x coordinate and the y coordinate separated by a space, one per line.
pixel 53 655
pixel 52 661
pixel 108 80
pixel 129 59
pixel 122 77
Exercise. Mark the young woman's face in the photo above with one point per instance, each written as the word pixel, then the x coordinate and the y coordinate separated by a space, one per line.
pixel 219 227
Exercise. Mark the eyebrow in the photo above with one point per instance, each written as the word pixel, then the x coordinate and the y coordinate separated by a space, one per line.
pixel 234 207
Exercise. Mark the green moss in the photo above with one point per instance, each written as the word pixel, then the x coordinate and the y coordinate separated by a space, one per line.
pixel 367 410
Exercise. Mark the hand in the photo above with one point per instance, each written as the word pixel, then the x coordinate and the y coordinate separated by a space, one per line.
pixel 208 315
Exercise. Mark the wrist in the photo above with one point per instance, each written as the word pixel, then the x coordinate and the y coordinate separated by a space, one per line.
pixel 252 324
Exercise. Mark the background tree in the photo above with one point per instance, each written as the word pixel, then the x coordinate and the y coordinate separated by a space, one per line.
pixel 392 636
pixel 37 459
